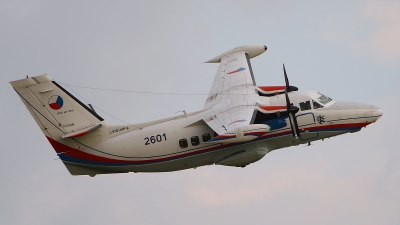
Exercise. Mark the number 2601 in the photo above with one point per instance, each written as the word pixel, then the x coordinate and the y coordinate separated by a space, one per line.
pixel 154 139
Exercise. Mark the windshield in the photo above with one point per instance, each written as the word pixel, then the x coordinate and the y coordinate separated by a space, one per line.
pixel 324 99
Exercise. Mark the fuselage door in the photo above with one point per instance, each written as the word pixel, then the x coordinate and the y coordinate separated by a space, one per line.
pixel 306 120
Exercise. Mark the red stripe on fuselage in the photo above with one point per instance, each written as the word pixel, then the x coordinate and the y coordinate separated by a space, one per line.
pixel 337 126
pixel 227 136
pixel 256 133
pixel 72 152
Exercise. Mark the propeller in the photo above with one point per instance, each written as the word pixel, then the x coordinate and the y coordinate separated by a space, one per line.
pixel 292 110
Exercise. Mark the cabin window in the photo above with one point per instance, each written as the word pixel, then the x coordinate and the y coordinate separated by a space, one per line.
pixel 195 140
pixel 316 105
pixel 305 105
pixel 215 134
pixel 183 143
pixel 206 137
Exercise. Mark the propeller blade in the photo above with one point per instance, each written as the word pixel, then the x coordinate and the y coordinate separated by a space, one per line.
pixel 292 110
pixel 286 89
pixel 293 124
pixel 286 79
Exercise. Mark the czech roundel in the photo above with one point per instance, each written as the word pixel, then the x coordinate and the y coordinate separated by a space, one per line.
pixel 56 102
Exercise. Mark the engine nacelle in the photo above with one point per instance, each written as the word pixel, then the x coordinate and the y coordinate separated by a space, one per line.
pixel 277 123
pixel 273 90
pixel 242 134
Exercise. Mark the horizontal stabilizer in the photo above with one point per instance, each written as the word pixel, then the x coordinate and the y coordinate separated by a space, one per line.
pixel 82 132
pixel 252 50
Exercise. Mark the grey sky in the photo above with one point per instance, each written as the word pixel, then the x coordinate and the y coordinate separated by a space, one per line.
pixel 346 50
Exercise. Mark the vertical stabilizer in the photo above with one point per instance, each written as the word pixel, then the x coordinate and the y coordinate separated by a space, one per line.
pixel 54 109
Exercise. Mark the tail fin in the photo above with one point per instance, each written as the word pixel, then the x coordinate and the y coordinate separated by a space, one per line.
pixel 58 114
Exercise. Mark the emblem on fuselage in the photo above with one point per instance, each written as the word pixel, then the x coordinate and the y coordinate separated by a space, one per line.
pixel 321 119
pixel 56 102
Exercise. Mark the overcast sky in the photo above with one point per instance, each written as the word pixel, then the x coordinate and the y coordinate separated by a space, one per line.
pixel 348 50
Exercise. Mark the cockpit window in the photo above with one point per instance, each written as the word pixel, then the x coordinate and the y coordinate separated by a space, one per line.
pixel 316 105
pixel 324 99
pixel 305 105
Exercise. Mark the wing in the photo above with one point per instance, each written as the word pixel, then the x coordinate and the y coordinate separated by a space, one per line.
pixel 232 97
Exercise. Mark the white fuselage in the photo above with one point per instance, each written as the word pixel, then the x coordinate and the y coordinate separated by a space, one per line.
pixel 154 146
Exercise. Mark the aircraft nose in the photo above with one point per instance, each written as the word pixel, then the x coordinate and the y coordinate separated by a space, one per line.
pixel 377 112
pixel 374 112
pixel 361 112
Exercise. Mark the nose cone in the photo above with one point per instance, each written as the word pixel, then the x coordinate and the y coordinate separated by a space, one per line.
pixel 376 112
pixel 358 112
